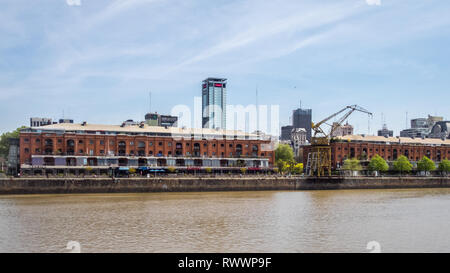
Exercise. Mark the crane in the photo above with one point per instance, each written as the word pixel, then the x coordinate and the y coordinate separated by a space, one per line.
pixel 319 158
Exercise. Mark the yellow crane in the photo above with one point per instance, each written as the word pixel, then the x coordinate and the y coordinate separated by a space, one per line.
pixel 319 158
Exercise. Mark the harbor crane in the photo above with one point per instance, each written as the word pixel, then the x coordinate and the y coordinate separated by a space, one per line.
pixel 319 158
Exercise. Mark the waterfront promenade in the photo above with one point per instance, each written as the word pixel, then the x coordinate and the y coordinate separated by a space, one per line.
pixel 43 185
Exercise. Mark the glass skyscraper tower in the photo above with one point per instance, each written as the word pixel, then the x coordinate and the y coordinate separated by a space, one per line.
pixel 214 103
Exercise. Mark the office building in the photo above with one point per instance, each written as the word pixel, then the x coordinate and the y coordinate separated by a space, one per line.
pixel 302 118
pixel 214 103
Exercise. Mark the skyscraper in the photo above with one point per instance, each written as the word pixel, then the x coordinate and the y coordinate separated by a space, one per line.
pixel 302 118
pixel 214 103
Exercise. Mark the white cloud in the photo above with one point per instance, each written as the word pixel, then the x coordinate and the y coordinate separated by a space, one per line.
pixel 73 2
pixel 373 2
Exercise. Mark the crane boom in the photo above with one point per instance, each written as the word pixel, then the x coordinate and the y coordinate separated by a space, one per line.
pixel 319 157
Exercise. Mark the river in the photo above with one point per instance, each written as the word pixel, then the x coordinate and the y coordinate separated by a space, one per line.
pixel 410 220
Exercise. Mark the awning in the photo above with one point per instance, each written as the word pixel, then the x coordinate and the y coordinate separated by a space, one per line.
pixel 124 169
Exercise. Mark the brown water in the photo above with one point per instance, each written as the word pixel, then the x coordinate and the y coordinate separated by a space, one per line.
pixel 301 221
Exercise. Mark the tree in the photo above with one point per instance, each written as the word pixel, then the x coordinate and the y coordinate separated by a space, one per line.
pixel 444 166
pixel 281 166
pixel 377 163
pixel 4 143
pixel 284 152
pixel 352 165
pixel 171 169
pixel 402 164
pixel 426 164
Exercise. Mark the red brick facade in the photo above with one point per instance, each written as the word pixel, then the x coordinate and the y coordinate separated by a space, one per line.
pixel 32 143
pixel 341 150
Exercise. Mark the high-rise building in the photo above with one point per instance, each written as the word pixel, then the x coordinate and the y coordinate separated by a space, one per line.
pixel 214 103
pixel 302 118
pixel 286 132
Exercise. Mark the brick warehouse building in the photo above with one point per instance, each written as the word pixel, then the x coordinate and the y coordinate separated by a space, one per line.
pixel 77 146
pixel 390 148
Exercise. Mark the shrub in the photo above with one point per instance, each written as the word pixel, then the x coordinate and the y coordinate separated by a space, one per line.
pixel 377 163
pixel 243 170
pixel 132 170
pixel 402 164
pixel 297 168
pixel 171 169
pixel 208 170
pixel 426 164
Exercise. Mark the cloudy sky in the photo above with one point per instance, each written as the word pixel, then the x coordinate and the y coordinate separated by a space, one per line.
pixel 96 60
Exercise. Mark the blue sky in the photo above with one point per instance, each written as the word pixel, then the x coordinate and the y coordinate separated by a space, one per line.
pixel 97 61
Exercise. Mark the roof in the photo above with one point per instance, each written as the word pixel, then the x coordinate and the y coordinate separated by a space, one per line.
pixel 137 129
pixel 401 140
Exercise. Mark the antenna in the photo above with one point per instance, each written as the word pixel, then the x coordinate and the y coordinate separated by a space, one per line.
pixel 257 110
pixel 150 102
pixel 406 122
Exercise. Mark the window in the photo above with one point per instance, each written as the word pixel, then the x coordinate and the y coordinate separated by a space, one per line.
pixel 205 145
pixel 214 145
pixel 169 144
pixel 102 142
pixel 38 140
pixel 37 150
pixel 150 143
pixel 59 140
pixel 231 145
pixel 160 144
pixel 102 152
pixel 91 141
pixel 27 150
pixel 131 143
pixel 80 151
pixel 222 145
pixel 111 142
pixel 26 140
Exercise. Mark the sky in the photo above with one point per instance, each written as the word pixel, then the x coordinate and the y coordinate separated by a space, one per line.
pixel 97 60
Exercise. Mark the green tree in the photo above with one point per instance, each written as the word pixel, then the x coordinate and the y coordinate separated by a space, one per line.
pixel 352 165
pixel 284 152
pixel 4 143
pixel 444 166
pixel 281 166
pixel 377 163
pixel 426 164
pixel 402 164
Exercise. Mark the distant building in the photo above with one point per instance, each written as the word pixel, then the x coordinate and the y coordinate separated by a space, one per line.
pixel 420 127
pixel 302 118
pixel 385 132
pixel 214 103
pixel 341 130
pixel 66 120
pixel 298 140
pixel 38 122
pixel 13 162
pixel 440 130
pixel 155 119
pixel 286 132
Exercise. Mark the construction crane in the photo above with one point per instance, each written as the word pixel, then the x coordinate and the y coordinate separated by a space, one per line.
pixel 319 158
